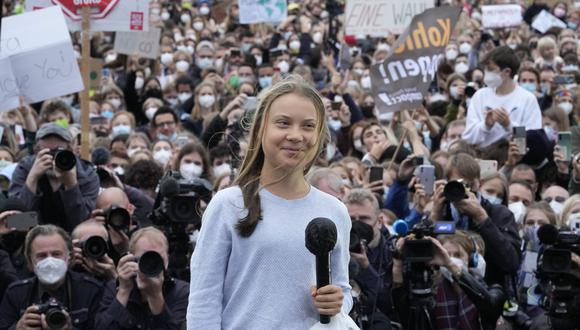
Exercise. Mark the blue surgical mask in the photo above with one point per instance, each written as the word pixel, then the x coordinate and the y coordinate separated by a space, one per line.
pixel 107 114
pixel 492 198
pixel 572 26
pixel 265 81
pixel 427 140
pixel 334 124
pixel 530 87
pixel 171 138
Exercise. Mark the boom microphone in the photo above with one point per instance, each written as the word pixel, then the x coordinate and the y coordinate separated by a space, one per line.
pixel 168 187
pixel 548 234
pixel 320 240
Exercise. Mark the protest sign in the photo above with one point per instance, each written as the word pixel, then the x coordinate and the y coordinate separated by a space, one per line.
pixel 96 72
pixel 545 21
pixel 378 18
pixel 38 60
pixel 144 44
pixel 262 11
pixel 401 80
pixel 501 16
pixel 126 15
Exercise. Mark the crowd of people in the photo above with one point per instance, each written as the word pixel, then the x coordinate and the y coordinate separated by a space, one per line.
pixel 266 126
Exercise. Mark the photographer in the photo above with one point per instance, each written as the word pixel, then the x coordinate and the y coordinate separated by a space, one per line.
pixel 495 223
pixel 55 297
pixel 373 256
pixel 144 297
pixel 61 187
pixel 90 249
pixel 459 300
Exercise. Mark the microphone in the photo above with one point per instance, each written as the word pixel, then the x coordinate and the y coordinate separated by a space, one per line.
pixel 168 187
pixel 548 234
pixel 401 227
pixel 320 240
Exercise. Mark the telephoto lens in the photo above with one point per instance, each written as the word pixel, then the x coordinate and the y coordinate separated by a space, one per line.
pixel 150 263
pixel 64 159
pixel 455 191
pixel 117 217
pixel 94 247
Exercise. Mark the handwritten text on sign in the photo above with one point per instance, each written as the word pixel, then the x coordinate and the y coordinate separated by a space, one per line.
pixel 501 16
pixel 381 17
pixel 38 61
pixel 144 44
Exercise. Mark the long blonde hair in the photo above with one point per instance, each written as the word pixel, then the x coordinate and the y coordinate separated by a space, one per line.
pixel 249 176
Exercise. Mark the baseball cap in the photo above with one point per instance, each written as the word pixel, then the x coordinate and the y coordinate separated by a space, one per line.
pixel 53 129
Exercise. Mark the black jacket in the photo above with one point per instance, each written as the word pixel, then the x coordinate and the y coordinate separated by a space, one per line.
pixel 136 315
pixel 81 302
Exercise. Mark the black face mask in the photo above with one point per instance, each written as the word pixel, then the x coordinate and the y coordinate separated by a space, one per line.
pixel 12 240
pixel 153 92
pixel 367 110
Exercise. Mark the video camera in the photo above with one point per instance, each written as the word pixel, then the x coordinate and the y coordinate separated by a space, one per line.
pixel 420 249
pixel 556 259
pixel 54 313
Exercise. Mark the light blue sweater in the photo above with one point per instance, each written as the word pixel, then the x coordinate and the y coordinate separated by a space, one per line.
pixel 264 281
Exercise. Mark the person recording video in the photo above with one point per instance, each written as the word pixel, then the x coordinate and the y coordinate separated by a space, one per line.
pixel 57 184
pixel 144 296
pixel 55 298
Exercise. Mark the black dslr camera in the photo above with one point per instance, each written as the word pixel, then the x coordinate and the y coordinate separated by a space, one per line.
pixel 150 263
pixel 117 217
pixel 360 234
pixel 455 191
pixel 64 159
pixel 94 247
pixel 54 313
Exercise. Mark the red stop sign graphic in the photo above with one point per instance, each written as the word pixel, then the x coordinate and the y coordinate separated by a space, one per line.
pixel 99 8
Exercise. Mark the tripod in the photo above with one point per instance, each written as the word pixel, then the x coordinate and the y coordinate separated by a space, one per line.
pixel 421 294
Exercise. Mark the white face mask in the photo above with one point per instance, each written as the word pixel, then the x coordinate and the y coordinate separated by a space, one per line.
pixel 359 72
pixel 110 58
pixel 119 170
pixel 139 82
pixel 317 37
pixel 461 68
pixel 121 130
pixel 451 54
pixel 566 106
pixel 458 262
pixel 258 59
pixel 204 10
pixel 557 207
pixel 358 146
pixel 206 101
pixel 162 156
pixel 365 82
pixel 116 103
pixel 295 45
pixel 334 124
pixel 330 151
pixel 492 79
pixel 166 58
pixel 283 66
pixel 222 169
pixel 185 18
pixel 198 26
pixel 204 63
pixel 183 96
pixel 481 266
pixel 519 210
pixel 465 48
pixel 131 152
pixel 150 112
pixel 182 66
pixel 190 171
pixel 165 16
pixel 50 270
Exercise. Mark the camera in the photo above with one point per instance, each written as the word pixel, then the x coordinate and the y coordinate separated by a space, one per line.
pixel 470 89
pixel 420 250
pixel 455 191
pixel 105 179
pixel 64 159
pixel 94 247
pixel 150 263
pixel 54 313
pixel 117 217
pixel 557 257
pixel 360 234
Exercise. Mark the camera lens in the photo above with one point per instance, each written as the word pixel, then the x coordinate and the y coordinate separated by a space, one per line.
pixel 105 178
pixel 182 209
pixel 94 247
pixel 151 264
pixel 55 318
pixel 454 191
pixel 118 218
pixel 65 160
pixel 469 91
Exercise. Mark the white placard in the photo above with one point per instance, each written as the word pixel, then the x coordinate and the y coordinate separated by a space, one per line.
pixel 144 44
pixel 379 18
pixel 501 16
pixel 122 18
pixel 262 11
pixel 545 21
pixel 38 60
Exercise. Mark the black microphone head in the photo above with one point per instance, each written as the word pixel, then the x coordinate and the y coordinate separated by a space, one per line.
pixel 320 236
pixel 169 187
pixel 100 156
pixel 548 234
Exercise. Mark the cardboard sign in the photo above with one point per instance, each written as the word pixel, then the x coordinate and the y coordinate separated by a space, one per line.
pixel 262 11
pixel 400 82
pixel 379 18
pixel 144 44
pixel 545 21
pixel 501 16
pixel 127 15
pixel 95 73
pixel 37 58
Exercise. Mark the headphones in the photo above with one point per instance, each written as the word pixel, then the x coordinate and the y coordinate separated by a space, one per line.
pixel 474 256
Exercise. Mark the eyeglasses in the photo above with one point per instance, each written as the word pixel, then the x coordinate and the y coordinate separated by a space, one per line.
pixel 165 123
